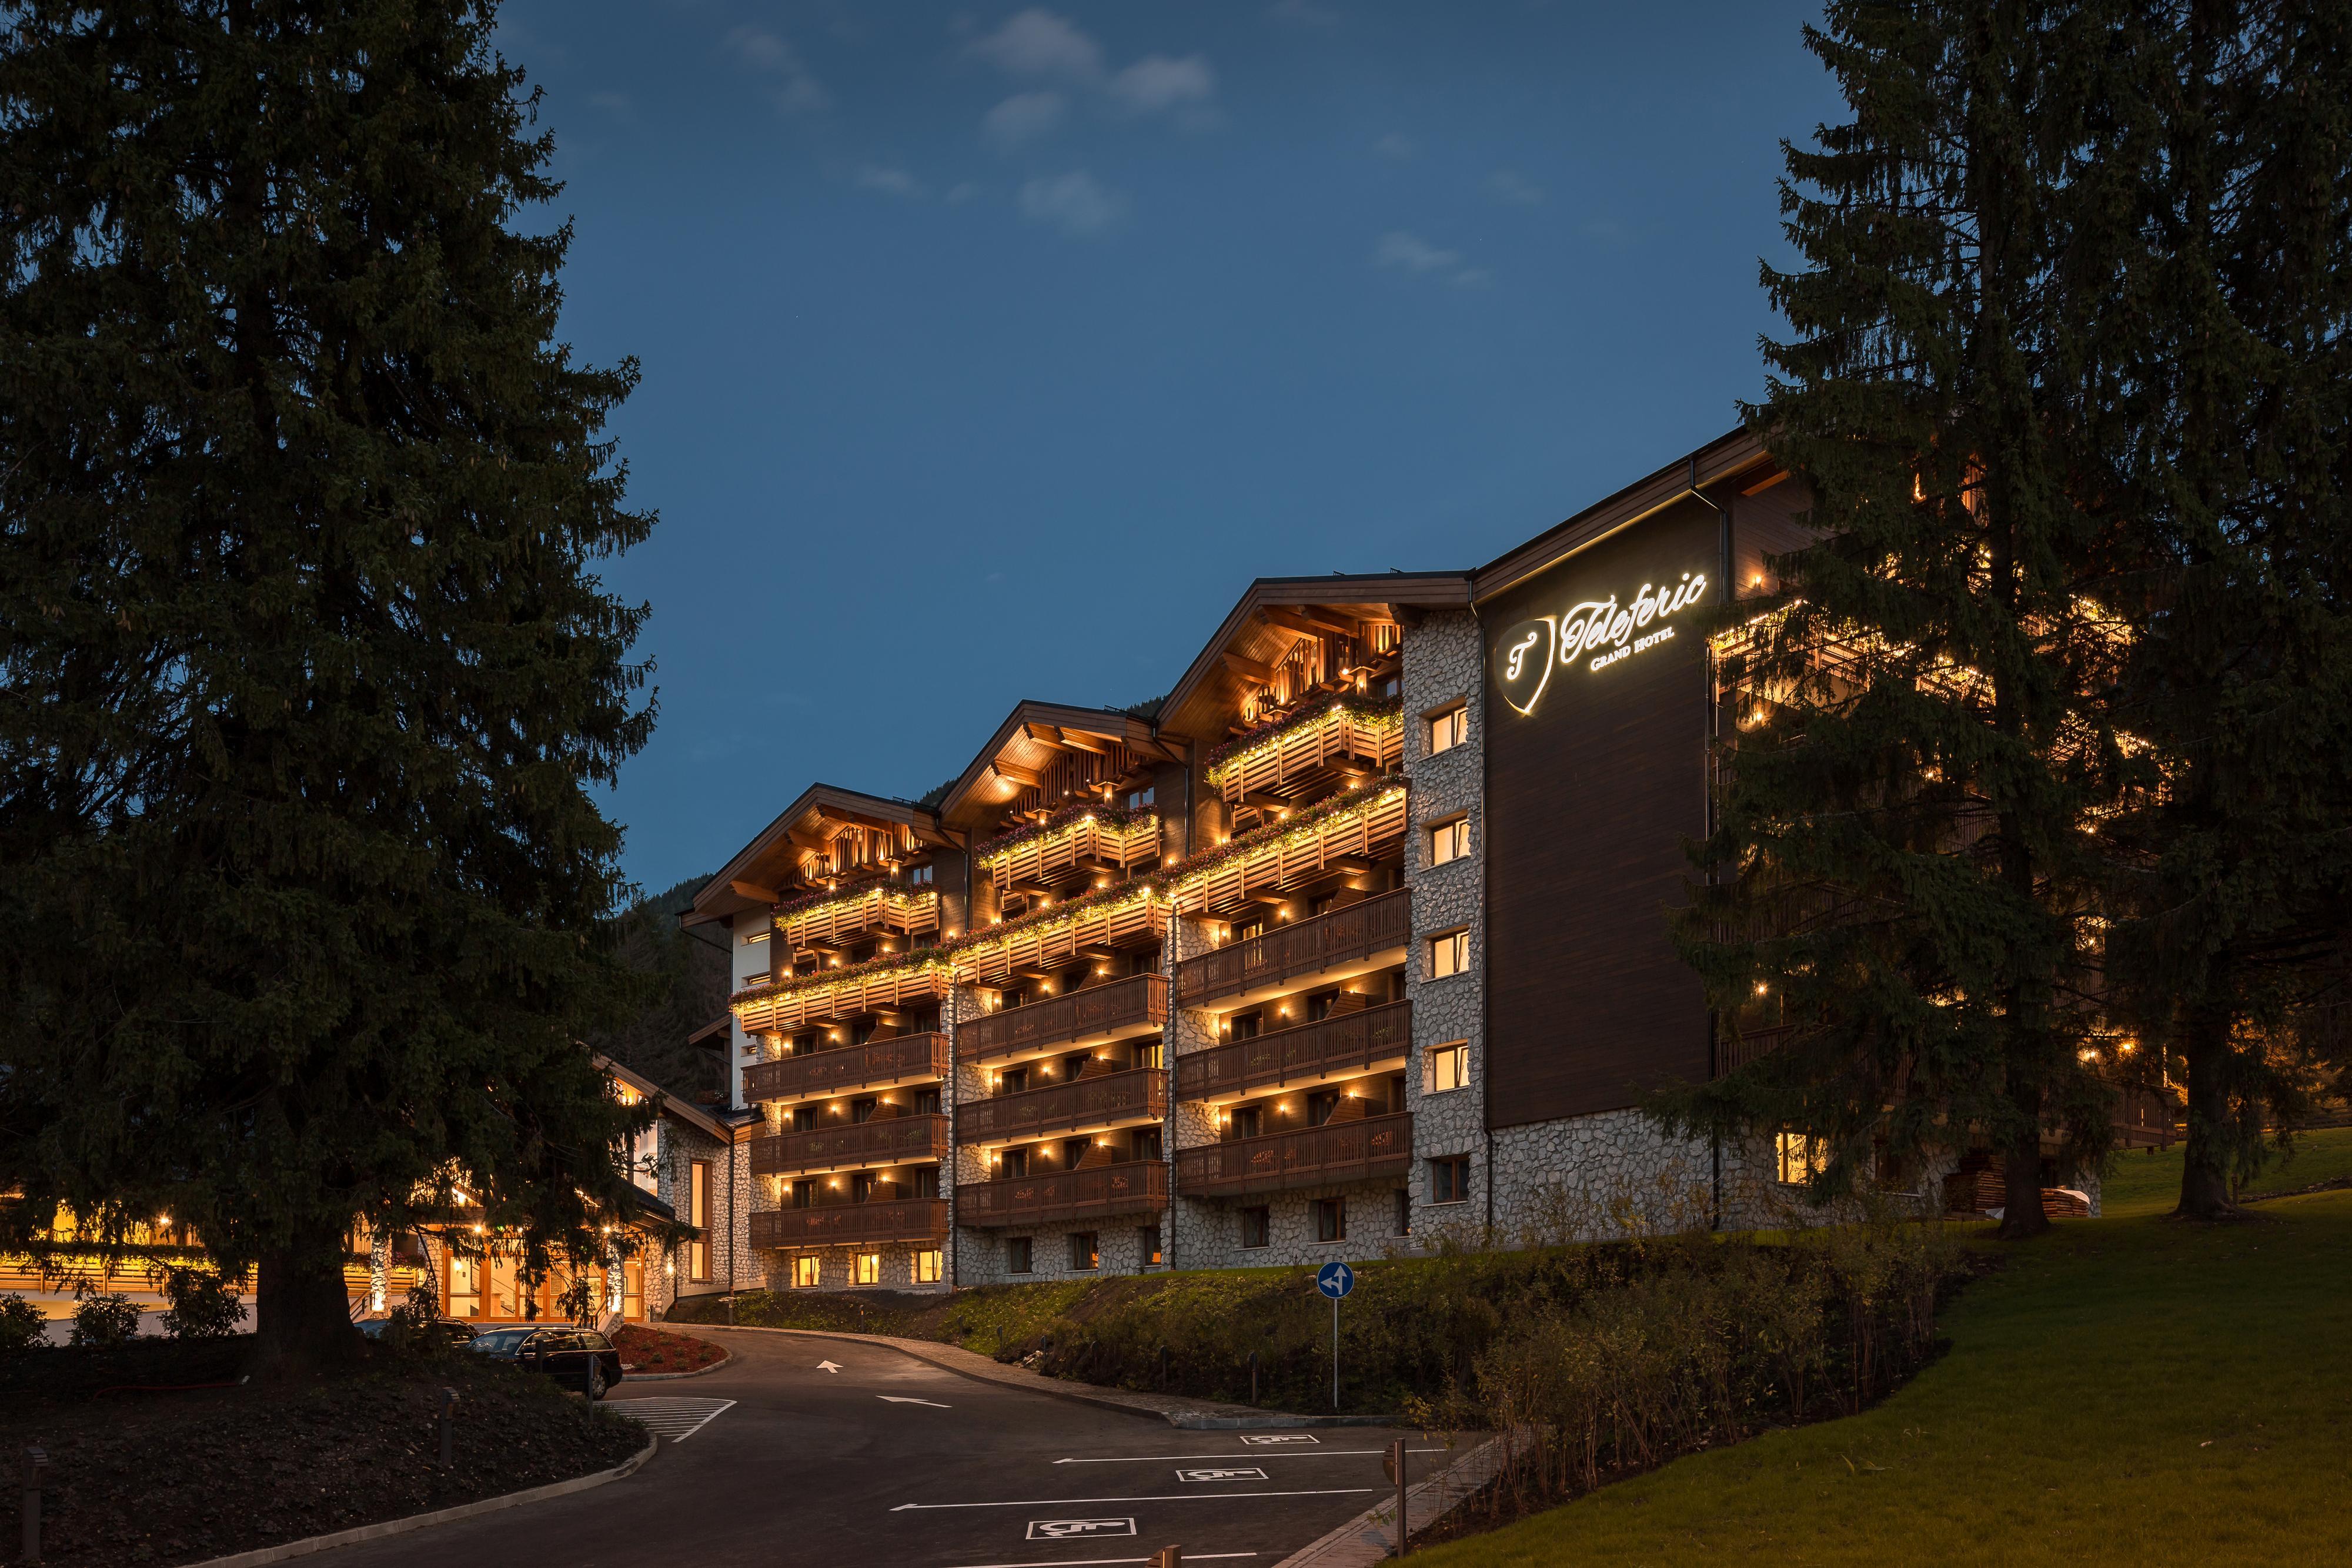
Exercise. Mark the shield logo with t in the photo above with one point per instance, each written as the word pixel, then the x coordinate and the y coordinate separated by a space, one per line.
pixel 1523 661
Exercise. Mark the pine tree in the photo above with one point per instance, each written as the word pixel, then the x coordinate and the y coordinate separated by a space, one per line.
pixel 1896 880
pixel 305 677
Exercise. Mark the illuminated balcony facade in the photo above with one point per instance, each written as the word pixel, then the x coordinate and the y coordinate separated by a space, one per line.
pixel 846 1070
pixel 1352 939
pixel 893 1140
pixel 1338 1152
pixel 1088 1103
pixel 918 1222
pixel 1128 1189
pixel 1351 1042
pixel 1097 1015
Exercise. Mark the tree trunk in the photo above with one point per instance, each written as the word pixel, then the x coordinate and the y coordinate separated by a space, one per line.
pixel 2021 1218
pixel 302 1319
pixel 2205 1168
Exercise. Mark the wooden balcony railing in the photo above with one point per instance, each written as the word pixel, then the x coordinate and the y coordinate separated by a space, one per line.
pixel 903 909
pixel 1273 860
pixel 1734 1052
pixel 1141 1093
pixel 1132 1006
pixel 1138 1188
pixel 1334 1153
pixel 1052 941
pixel 1345 1043
pixel 885 1140
pixel 1074 849
pixel 850 1224
pixel 789 1004
pixel 907 1057
pixel 1341 733
pixel 1343 937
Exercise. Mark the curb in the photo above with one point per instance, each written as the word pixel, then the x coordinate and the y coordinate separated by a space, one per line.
pixel 628 1377
pixel 382 1527
pixel 1370 1536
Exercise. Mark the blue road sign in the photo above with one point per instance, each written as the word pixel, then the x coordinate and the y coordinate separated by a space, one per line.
pixel 1334 1279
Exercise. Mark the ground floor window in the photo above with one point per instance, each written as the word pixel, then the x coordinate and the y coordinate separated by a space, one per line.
pixel 1449 1179
pixel 1257 1227
pixel 1017 1259
pixel 1086 1251
pixel 1404 1213
pixel 805 1270
pixel 1146 1246
pixel 633 1291
pixel 465 1287
pixel 927 1268
pixel 869 1268
pixel 1799 1156
pixel 1330 1220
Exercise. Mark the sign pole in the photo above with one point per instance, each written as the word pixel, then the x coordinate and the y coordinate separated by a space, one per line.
pixel 1335 1355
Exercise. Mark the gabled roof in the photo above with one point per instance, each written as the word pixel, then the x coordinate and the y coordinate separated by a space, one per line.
pixel 1029 738
pixel 1209 689
pixel 761 869
pixel 694 1116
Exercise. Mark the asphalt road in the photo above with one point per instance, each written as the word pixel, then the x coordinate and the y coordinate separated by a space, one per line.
pixel 893 1462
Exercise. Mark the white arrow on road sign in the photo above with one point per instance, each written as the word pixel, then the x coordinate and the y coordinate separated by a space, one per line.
pixel 828 1367
pixel 902 1399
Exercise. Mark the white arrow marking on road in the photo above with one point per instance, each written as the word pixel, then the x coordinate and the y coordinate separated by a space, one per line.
pixel 1171 1497
pixel 902 1399
pixel 828 1367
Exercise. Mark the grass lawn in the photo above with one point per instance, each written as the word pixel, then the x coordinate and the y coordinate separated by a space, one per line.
pixel 2129 1390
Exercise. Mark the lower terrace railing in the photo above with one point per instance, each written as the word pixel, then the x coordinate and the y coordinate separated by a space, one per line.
pixel 1346 1041
pixel 850 1224
pixel 1114 1097
pixel 1337 1151
pixel 1343 937
pixel 1138 1188
pixel 885 1140
pixel 907 1057
pixel 1137 1003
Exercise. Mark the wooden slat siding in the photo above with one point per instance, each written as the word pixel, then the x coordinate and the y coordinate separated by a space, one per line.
pixel 1351 1042
pixel 884 1140
pixel 1341 732
pixel 863 914
pixel 1343 937
pixel 1053 943
pixel 850 1224
pixel 1050 854
pixel 907 1057
pixel 1367 831
pixel 1588 803
pixel 785 1011
pixel 1136 1094
pixel 1138 1002
pixel 1138 1187
pixel 1314 1156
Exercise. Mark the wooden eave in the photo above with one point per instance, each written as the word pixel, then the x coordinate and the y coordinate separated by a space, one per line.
pixel 766 863
pixel 1028 739
pixel 694 1116
pixel 1275 613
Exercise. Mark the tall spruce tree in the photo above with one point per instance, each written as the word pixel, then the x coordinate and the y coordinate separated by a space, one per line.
pixel 1896 879
pixel 304 675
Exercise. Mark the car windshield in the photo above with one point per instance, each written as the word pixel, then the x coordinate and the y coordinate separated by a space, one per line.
pixel 502 1341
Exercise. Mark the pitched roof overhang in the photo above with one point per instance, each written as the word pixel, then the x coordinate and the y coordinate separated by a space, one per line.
pixel 762 870
pixel 1030 736
pixel 694 1116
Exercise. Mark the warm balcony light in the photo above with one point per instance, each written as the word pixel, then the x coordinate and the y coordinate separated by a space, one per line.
pixel 1757 581
pixel 2125 1048
pixel 477 1230
pixel 2090 1053
pixel 669 1267
pixel 162 1219
pixel 1761 988
pixel 1756 717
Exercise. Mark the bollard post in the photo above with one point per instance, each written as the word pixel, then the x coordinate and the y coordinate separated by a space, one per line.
pixel 1253 1377
pixel 1393 1462
pixel 1168 1557
pixel 1163 1369
pixel 36 1461
pixel 449 1429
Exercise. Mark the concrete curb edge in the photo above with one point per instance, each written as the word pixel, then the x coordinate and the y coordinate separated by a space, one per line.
pixel 1369 1537
pixel 628 1377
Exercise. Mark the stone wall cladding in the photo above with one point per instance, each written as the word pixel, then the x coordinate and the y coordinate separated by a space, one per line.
pixel 1214 1228
pixel 984 1253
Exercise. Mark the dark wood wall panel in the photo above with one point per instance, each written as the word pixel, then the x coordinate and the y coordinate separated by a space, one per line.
pixel 1588 801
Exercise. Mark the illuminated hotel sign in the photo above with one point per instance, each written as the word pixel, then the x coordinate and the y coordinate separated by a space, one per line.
pixel 1596 633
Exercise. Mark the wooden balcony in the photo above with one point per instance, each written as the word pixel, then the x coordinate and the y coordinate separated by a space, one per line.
pixel 903 912
pixel 1342 1045
pixel 884 1141
pixel 1309 749
pixel 1139 1094
pixel 1074 853
pixel 1103 1193
pixel 903 1059
pixel 1327 1156
pixel 1370 827
pixel 1051 940
pixel 1137 1005
pixel 788 1005
pixel 850 1224
pixel 1350 941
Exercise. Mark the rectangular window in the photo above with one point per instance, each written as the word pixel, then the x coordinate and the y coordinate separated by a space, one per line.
pixel 1449 841
pixel 1139 798
pixel 1146 1246
pixel 1330 1220
pixel 1799 1157
pixel 1449 955
pixel 927 1268
pixel 1017 1259
pixel 699 1215
pixel 1449 1179
pixel 1404 1212
pixel 918 876
pixel 465 1287
pixel 869 1268
pixel 805 1272
pixel 1085 1253
pixel 1447 1067
pixel 1449 729
pixel 1257 1226
pixel 926 1181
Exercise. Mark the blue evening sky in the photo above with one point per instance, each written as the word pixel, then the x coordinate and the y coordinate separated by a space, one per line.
pixel 990 351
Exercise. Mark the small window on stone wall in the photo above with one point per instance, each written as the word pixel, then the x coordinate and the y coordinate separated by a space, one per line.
pixel 1017 1259
pixel 1449 729
pixel 1257 1226
pixel 805 1271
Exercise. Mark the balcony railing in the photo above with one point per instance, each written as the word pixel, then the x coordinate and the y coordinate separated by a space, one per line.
pixel 850 1224
pixel 1343 937
pixel 1139 1187
pixel 1132 1006
pixel 1334 1153
pixel 1346 1042
pixel 885 1140
pixel 1133 1095
pixel 907 1057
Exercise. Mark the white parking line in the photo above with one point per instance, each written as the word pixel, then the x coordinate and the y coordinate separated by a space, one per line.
pixel 1102 1562
pixel 1313 1454
pixel 677 1419
pixel 1172 1496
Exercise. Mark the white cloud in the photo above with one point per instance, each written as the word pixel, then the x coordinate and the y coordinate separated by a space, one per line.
pixel 1401 251
pixel 1036 42
pixel 1509 185
pixel 1023 118
pixel 1159 82
pixel 1073 203
pixel 889 181
pixel 1396 147
pixel 797 91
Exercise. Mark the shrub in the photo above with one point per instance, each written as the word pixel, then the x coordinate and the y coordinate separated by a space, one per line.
pixel 20 1324
pixel 107 1321
pixel 204 1305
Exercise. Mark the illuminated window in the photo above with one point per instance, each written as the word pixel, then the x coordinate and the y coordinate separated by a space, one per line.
pixel 1449 1179
pixel 1449 729
pixel 1086 1251
pixel 1449 954
pixel 698 1212
pixel 1449 841
pixel 465 1287
pixel 1799 1157
pixel 1449 1068
pixel 869 1268
pixel 1146 1246
pixel 805 1272
pixel 927 1268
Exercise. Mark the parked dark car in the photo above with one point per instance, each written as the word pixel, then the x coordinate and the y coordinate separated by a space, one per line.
pixel 444 1332
pixel 581 1359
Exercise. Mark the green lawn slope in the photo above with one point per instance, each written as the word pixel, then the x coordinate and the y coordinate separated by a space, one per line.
pixel 2129 1390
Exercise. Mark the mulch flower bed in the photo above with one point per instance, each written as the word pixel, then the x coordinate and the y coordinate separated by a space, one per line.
pixel 169 1478
pixel 645 1350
